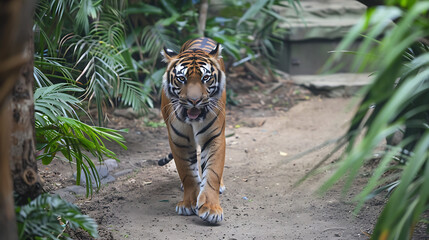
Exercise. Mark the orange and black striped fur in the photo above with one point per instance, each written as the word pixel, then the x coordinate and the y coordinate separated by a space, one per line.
pixel 193 107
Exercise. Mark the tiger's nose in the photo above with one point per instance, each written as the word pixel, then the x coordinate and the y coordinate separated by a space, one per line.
pixel 194 101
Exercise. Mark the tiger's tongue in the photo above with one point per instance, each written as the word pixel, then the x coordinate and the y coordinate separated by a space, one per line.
pixel 193 113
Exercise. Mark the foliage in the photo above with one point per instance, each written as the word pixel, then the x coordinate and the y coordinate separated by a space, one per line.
pixel 244 28
pixel 396 100
pixel 47 216
pixel 87 43
pixel 111 48
pixel 230 97
pixel 59 130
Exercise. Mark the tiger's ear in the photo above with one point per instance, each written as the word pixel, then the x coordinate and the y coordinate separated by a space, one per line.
pixel 217 51
pixel 168 55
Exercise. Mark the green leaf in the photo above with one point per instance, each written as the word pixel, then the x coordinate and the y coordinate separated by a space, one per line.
pixel 39 218
pixel 252 11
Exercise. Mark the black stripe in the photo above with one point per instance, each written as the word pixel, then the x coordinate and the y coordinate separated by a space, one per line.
pixel 193 159
pixel 165 160
pixel 210 185
pixel 204 42
pixel 210 156
pixel 177 116
pixel 217 175
pixel 179 133
pixel 215 92
pixel 203 167
pixel 212 138
pixel 186 176
pixel 190 159
pixel 183 181
pixel 179 145
pixel 207 126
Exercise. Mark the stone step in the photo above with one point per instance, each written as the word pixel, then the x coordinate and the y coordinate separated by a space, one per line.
pixel 333 85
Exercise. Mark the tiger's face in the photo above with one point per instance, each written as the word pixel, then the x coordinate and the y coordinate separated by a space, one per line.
pixel 193 82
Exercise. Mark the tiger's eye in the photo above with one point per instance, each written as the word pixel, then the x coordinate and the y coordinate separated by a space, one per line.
pixel 181 79
pixel 206 77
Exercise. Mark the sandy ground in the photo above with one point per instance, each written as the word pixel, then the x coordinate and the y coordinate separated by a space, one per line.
pixel 260 201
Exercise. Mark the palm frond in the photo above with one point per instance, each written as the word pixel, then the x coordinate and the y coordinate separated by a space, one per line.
pixel 154 38
pixel 47 217
pixel 59 130
pixel 109 71
pixel 86 10
pixel 74 140
pixel 134 94
pixel 48 69
pixel 56 100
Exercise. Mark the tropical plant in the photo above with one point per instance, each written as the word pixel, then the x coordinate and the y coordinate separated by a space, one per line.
pixel 58 129
pixel 234 26
pixel 252 25
pixel 87 43
pixel 396 101
pixel 47 217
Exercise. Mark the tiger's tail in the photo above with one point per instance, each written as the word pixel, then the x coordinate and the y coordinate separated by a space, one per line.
pixel 165 160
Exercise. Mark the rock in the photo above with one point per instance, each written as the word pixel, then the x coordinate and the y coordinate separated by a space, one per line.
pixel 79 190
pixel 65 195
pixel 154 113
pixel 103 172
pixel 111 164
pixel 107 180
pixel 122 173
pixel 334 85
pixel 126 113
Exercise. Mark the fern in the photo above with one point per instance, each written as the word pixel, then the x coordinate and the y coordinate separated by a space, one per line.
pixel 47 217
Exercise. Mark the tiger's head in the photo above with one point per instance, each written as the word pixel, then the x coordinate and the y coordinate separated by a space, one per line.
pixel 194 82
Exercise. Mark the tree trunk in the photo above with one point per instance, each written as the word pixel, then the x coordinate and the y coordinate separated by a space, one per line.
pixel 7 213
pixel 16 22
pixel 203 17
pixel 26 181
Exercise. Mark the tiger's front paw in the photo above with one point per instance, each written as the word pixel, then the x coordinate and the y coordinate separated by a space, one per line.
pixel 186 208
pixel 209 211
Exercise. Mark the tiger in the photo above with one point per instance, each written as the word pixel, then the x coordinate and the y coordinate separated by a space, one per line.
pixel 193 100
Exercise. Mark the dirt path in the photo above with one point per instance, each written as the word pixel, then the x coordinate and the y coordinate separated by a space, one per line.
pixel 259 202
